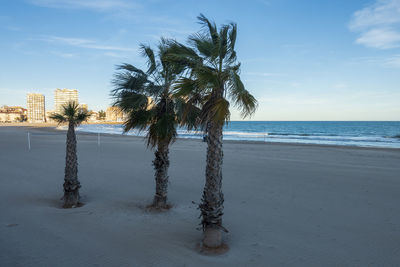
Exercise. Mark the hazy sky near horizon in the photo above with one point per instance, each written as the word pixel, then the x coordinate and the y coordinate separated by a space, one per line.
pixel 302 60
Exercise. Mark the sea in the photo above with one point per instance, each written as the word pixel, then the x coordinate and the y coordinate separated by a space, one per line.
pixel 347 133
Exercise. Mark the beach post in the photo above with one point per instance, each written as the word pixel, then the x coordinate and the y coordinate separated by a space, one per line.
pixel 29 141
pixel 264 134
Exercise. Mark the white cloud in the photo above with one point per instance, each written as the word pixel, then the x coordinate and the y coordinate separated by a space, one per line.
pixel 86 43
pixel 378 24
pixel 380 38
pixel 393 61
pixel 64 55
pixel 96 5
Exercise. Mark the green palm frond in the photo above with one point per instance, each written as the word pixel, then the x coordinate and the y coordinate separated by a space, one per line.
pixel 147 52
pixel 223 41
pixel 71 113
pixel 164 128
pixel 70 110
pixel 133 88
pixel 129 67
pixel 211 28
pixel 240 96
pixel 138 119
pixel 204 45
pixel 215 110
pixel 135 81
pixel 213 72
pixel 182 55
pixel 58 118
pixel 185 87
pixel 232 42
pixel 81 117
pixel 188 112
pixel 128 100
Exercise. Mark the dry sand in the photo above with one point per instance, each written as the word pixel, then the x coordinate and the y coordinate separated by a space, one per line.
pixel 285 205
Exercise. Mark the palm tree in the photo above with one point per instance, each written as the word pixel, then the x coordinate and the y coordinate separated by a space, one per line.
pixel 214 75
pixel 74 116
pixel 146 98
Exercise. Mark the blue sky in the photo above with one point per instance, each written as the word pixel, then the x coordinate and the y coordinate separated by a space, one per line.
pixel 303 60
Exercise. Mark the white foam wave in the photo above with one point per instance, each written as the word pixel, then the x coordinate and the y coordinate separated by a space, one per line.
pixel 376 141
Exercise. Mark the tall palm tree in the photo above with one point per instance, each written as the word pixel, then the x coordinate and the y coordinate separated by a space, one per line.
pixel 214 75
pixel 146 97
pixel 74 116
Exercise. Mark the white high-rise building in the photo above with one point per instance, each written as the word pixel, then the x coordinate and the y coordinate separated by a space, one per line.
pixel 36 111
pixel 62 97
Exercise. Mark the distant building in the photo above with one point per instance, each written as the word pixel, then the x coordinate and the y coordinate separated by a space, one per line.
pixel 150 103
pixel 48 114
pixel 36 108
pixel 115 114
pixel 62 97
pixel 93 116
pixel 12 114
pixel 83 107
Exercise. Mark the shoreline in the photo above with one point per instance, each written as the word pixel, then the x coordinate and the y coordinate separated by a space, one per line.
pixel 53 128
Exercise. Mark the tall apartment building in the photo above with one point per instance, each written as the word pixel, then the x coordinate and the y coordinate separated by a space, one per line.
pixel 84 106
pixel 115 114
pixel 36 107
pixel 62 97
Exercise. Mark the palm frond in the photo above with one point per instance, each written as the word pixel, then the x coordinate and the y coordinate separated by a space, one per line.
pixel 217 77
pixel 128 101
pixel 188 113
pixel 241 97
pixel 185 87
pixel 71 113
pixel 129 67
pixel 223 41
pixel 204 45
pixel 81 117
pixel 163 126
pixel 232 42
pixel 58 118
pixel 215 110
pixel 147 52
pixel 70 110
pixel 182 55
pixel 138 119
pixel 211 27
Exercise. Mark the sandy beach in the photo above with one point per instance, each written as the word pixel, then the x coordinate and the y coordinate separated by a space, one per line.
pixel 285 205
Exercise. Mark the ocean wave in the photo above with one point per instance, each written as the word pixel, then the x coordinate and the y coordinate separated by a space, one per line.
pixel 286 134
pixel 307 135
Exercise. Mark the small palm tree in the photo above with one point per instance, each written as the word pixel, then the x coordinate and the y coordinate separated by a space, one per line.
pixel 74 116
pixel 146 98
pixel 214 75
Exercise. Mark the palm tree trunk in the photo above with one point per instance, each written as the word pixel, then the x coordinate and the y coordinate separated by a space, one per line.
pixel 213 198
pixel 71 183
pixel 161 164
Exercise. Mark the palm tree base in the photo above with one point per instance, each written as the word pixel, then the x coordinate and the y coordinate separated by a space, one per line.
pixel 69 206
pixel 71 200
pixel 160 203
pixel 212 237
pixel 205 250
pixel 155 208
